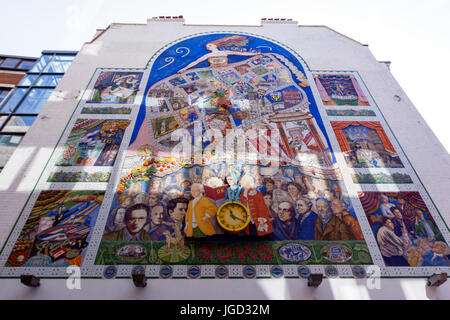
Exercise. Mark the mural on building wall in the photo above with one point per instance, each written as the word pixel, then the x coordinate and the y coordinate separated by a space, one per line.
pixel 365 144
pixel 116 87
pixel 93 142
pixel 340 90
pixel 58 229
pixel 168 207
pixel 406 233
pixel 229 162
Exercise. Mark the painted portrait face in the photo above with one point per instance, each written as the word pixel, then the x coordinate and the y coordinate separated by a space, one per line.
pixel 211 47
pixel 323 208
pixel 155 185
pixel 292 190
pixel 127 202
pixel 302 206
pixel 178 212
pixel 140 198
pixel 137 221
pixel 157 215
pixel 153 199
pixel 337 206
pixel 398 214
pixel 196 191
pixel 269 185
pixel 389 224
pixel 268 200
pixel 230 181
pixel 119 219
pixel 284 211
pixel 419 214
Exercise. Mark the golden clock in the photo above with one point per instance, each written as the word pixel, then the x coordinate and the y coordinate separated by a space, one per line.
pixel 233 216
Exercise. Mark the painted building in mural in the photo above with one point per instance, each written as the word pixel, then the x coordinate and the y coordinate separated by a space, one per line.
pixel 187 151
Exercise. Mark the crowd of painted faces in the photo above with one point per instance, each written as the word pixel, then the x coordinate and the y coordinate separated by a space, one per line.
pixel 283 206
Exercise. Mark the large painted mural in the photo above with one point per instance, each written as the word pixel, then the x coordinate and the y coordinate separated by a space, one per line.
pixel 227 157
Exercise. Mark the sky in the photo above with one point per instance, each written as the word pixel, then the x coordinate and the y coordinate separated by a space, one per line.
pixel 412 34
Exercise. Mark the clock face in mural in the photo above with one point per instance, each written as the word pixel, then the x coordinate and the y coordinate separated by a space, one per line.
pixel 233 216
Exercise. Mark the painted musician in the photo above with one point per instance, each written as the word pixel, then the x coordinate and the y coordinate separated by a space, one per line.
pixel 259 213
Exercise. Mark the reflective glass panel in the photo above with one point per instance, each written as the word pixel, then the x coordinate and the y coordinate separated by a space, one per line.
pixel 42 63
pixel 28 80
pixel 60 64
pixel 10 63
pixel 48 80
pixel 2 120
pixel 26 65
pixel 34 101
pixel 13 100
pixel 3 94
pixel 19 123
pixel 10 140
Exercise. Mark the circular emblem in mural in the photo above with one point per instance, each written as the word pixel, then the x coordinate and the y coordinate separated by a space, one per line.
pixel 173 254
pixel 193 272
pixel 249 272
pixel 359 272
pixel 17 259
pixel 221 272
pixel 294 252
pixel 165 272
pixel 336 253
pixel 303 271
pixel 133 251
pixel 138 270
pixel 331 271
pixel 110 272
pixel 276 271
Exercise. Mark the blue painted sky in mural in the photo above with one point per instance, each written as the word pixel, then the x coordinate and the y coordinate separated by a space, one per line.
pixel 181 54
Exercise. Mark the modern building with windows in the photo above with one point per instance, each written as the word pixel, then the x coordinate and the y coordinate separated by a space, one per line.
pixel 12 69
pixel 222 162
pixel 22 105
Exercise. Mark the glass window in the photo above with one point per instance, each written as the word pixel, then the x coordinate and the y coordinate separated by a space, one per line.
pixel 41 64
pixel 26 65
pixel 48 81
pixel 2 120
pixel 19 123
pixel 27 80
pixel 13 100
pixel 3 94
pixel 10 140
pixel 60 64
pixel 34 101
pixel 10 63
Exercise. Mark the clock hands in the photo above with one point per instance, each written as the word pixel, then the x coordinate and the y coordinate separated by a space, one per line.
pixel 234 217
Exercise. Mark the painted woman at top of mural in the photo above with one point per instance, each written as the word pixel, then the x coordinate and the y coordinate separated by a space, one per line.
pixel 218 58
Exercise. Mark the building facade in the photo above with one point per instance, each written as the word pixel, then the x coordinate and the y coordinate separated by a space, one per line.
pixel 21 107
pixel 226 152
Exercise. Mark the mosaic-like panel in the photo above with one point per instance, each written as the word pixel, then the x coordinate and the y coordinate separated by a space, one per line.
pixel 58 229
pixel 365 144
pixel 116 87
pixel 405 230
pixel 340 90
pixel 93 142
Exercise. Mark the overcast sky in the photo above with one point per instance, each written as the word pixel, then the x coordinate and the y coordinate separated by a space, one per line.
pixel 414 35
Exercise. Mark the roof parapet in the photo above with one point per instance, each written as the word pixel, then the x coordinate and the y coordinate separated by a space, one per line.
pixel 278 20
pixel 167 19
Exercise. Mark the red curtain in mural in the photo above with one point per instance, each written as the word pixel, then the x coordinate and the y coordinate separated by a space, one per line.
pixel 338 126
